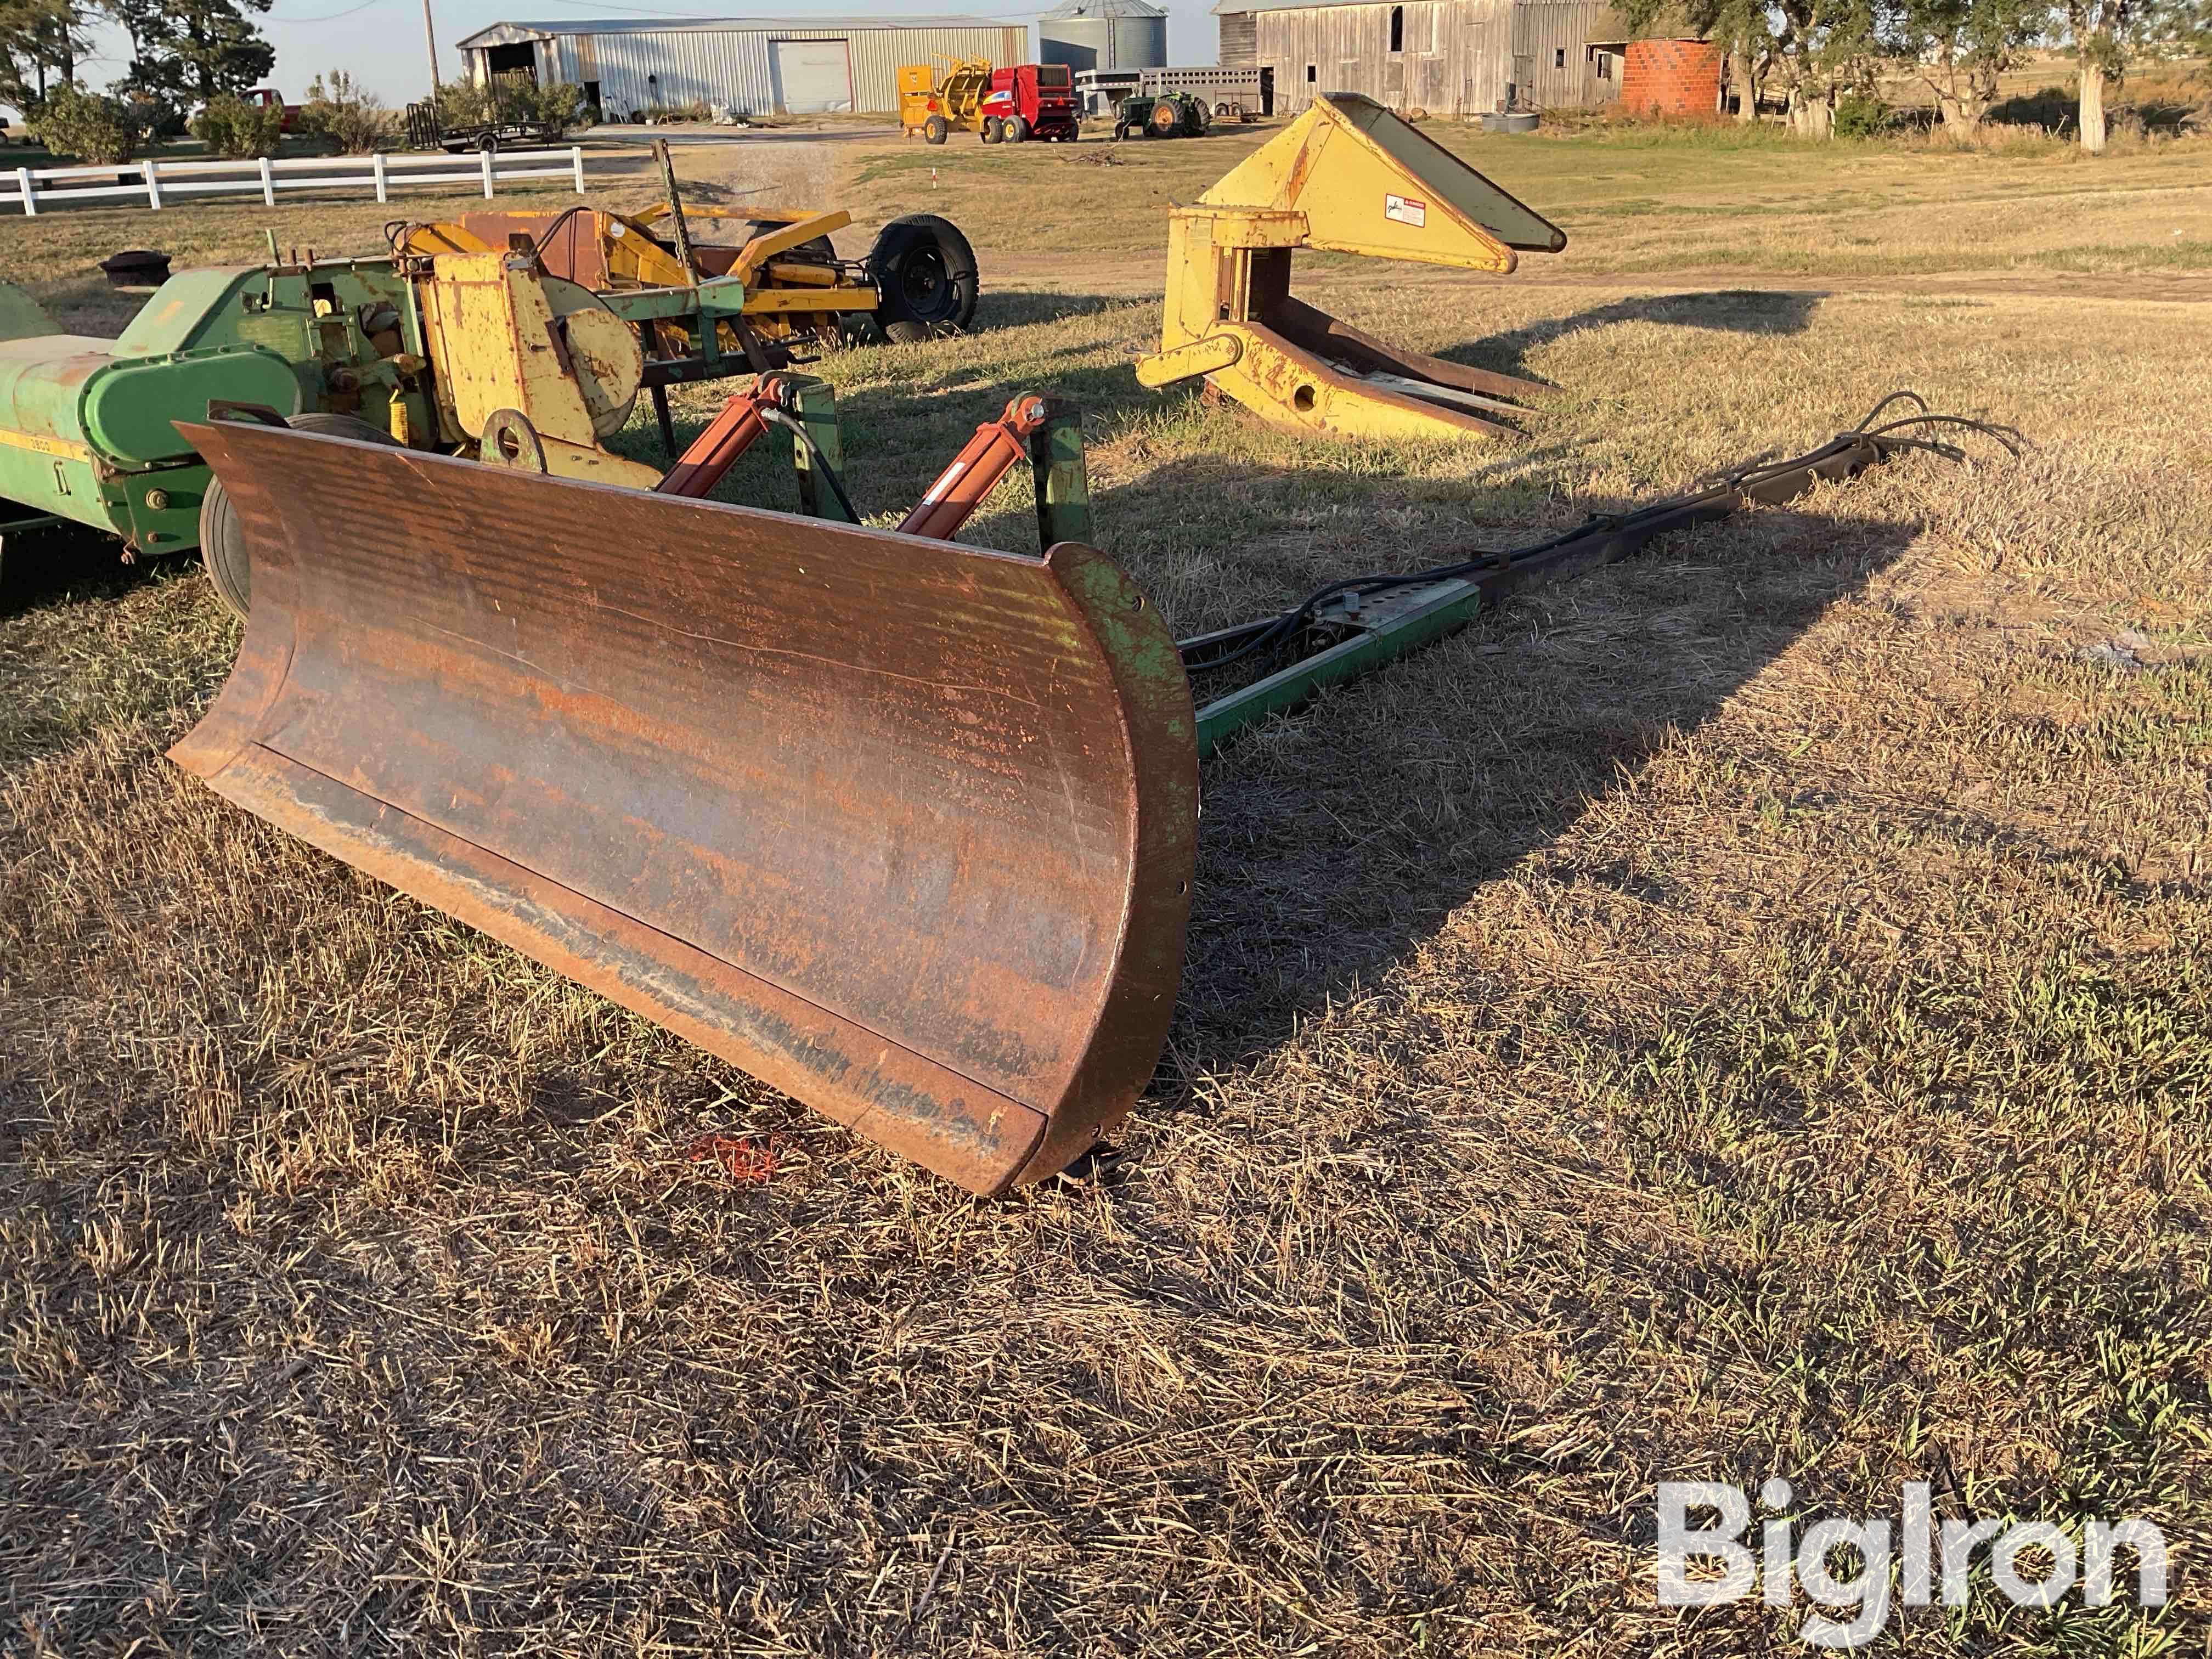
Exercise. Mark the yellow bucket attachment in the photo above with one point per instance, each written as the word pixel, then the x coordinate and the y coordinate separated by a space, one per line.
pixel 1351 177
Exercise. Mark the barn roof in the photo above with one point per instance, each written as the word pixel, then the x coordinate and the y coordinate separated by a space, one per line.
pixel 1105 9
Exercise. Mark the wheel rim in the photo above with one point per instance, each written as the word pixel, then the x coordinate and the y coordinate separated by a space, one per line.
pixel 923 281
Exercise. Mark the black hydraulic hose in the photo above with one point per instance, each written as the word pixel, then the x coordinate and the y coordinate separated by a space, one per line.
pixel 1221 648
pixel 775 417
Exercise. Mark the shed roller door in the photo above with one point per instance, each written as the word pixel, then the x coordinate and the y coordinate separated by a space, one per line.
pixel 811 76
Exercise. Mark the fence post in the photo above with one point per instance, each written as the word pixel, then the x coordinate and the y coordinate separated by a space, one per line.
pixel 487 155
pixel 30 196
pixel 153 184
pixel 576 158
pixel 376 170
pixel 268 184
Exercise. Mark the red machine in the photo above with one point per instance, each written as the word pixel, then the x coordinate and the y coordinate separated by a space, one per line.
pixel 269 98
pixel 1031 101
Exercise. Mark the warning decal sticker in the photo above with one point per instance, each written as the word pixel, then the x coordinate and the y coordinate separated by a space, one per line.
pixel 1405 210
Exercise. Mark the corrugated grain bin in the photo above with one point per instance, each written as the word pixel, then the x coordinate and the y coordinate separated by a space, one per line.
pixel 1103 35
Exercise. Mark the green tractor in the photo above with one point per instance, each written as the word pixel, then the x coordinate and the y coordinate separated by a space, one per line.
pixel 1170 115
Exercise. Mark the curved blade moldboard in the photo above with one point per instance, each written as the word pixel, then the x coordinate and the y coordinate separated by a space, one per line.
pixel 904 828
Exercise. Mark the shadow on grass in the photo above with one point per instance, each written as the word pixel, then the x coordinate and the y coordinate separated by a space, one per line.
pixel 1737 311
pixel 1337 841
pixel 1019 307
pixel 67 561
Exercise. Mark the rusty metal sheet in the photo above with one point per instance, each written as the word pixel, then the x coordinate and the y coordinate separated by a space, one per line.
pixel 576 251
pixel 902 828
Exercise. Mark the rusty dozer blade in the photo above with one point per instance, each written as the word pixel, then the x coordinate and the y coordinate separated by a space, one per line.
pixel 1351 177
pixel 902 828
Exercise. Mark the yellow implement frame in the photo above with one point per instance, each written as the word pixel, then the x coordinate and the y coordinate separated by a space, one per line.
pixel 1351 177
pixel 608 252
pixel 504 340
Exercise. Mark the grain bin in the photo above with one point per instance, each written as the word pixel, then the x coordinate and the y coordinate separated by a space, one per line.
pixel 1103 35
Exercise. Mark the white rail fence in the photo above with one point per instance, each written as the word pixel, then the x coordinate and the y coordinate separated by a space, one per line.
pixel 154 183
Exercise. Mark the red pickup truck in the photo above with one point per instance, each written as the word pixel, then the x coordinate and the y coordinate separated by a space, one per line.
pixel 1031 101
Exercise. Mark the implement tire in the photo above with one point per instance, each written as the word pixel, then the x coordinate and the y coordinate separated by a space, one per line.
pixel 924 276
pixel 222 540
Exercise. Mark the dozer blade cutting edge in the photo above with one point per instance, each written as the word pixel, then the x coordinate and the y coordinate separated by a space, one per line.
pixel 902 828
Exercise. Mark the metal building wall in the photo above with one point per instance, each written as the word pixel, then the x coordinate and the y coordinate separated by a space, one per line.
pixel 716 66
pixel 1455 59
pixel 731 66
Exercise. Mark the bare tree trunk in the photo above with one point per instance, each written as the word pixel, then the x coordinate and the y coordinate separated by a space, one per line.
pixel 1812 117
pixel 1746 84
pixel 2092 105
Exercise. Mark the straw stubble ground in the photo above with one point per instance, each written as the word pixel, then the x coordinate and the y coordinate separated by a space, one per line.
pixel 1743 1014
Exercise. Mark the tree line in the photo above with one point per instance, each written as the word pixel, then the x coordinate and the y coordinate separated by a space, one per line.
pixel 192 62
pixel 1816 57
pixel 184 53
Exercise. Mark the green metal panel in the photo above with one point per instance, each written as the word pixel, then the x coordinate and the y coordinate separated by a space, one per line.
pixel 66 488
pixel 1063 488
pixel 42 382
pixel 21 316
pixel 817 402
pixel 130 408
pixel 188 309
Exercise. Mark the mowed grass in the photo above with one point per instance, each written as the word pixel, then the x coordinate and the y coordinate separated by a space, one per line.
pixel 1743 1014
pixel 1632 199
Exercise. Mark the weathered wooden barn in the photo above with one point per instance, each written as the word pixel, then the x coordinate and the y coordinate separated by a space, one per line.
pixel 1447 57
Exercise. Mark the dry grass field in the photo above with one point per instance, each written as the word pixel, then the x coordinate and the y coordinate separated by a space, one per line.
pixel 1747 1013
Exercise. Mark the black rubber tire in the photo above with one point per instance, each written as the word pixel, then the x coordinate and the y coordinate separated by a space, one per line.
pixel 488 144
pixel 988 132
pixel 1119 133
pixel 934 130
pixel 1164 122
pixel 222 545
pixel 925 275
pixel 1017 129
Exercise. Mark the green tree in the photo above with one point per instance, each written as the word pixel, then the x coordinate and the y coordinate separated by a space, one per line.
pixel 2104 35
pixel 39 40
pixel 348 114
pixel 1817 50
pixel 1958 49
pixel 185 54
pixel 86 125
pixel 231 127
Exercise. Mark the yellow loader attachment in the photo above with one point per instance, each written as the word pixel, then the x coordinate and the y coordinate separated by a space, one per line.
pixel 1350 176
pixel 902 828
